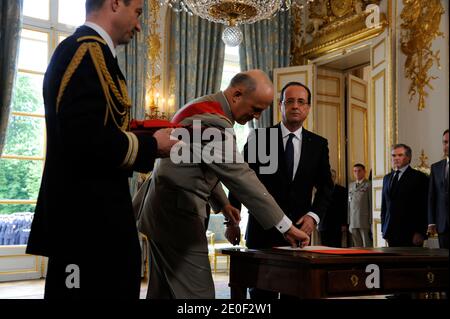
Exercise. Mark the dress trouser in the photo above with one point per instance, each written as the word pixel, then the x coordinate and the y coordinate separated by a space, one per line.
pixel 361 238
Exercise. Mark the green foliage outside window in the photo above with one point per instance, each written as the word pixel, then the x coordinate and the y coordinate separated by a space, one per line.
pixel 20 179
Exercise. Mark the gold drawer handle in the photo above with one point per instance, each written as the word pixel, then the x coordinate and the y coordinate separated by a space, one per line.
pixel 430 277
pixel 354 279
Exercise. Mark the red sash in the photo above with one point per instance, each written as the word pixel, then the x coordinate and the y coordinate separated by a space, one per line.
pixel 207 107
pixel 150 126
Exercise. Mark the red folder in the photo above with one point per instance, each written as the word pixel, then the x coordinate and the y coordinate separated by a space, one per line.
pixel 346 251
pixel 150 126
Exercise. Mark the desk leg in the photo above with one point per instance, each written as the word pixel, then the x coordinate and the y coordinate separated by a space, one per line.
pixel 238 292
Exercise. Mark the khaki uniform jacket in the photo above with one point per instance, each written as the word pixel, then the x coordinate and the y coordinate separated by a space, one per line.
pixel 360 205
pixel 173 212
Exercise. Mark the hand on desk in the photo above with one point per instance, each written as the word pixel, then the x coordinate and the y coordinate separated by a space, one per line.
pixel 295 235
pixel 307 224
pixel 233 234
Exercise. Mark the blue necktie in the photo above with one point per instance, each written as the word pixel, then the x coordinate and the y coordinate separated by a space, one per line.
pixel 289 156
pixel 394 182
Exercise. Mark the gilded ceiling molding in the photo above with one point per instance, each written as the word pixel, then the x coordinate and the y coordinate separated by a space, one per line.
pixel 420 26
pixel 330 25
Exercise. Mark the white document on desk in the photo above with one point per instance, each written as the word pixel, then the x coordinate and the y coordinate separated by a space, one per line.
pixel 307 248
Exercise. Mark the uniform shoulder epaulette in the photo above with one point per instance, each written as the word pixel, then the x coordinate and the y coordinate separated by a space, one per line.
pixel 91 37
pixel 91 45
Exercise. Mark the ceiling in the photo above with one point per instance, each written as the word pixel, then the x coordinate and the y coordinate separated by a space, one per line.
pixel 351 60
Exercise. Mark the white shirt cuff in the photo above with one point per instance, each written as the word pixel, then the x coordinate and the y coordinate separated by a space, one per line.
pixel 284 225
pixel 315 217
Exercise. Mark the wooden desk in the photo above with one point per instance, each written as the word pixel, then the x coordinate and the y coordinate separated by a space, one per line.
pixel 312 275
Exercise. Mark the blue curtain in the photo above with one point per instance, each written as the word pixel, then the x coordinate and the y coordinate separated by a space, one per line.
pixel 196 57
pixel 266 45
pixel 10 25
pixel 134 64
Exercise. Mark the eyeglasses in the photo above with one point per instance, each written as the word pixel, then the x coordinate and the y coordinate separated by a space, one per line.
pixel 291 102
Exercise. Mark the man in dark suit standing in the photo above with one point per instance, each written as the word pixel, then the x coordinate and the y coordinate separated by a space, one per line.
pixel 438 198
pixel 303 164
pixel 404 201
pixel 334 221
pixel 83 219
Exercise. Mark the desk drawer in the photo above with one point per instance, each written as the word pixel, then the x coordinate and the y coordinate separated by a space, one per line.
pixel 340 281
pixel 352 281
pixel 411 278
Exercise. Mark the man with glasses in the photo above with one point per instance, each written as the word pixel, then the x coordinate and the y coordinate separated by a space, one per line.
pixel 303 164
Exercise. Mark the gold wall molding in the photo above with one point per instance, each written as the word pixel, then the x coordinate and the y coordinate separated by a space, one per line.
pixel 374 48
pixel 420 26
pixel 363 110
pixel 423 164
pixel 153 53
pixel 298 33
pixel 364 90
pixel 381 76
pixel 328 78
pixel 377 205
pixel 375 226
pixel 331 25
pixel 338 107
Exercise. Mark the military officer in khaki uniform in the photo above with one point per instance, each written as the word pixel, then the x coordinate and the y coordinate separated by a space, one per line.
pixel 174 214
pixel 360 208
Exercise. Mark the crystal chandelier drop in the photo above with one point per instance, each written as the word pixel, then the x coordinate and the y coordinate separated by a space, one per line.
pixel 230 12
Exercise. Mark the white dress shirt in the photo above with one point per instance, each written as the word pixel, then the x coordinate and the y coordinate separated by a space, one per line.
pixel 402 170
pixel 297 143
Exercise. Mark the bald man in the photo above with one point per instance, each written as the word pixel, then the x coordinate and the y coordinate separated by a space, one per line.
pixel 173 213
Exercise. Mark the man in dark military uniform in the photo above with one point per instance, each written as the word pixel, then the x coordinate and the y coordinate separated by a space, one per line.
pixel 83 220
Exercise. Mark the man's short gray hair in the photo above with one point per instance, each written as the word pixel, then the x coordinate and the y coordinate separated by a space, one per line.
pixel 408 151
pixel 243 79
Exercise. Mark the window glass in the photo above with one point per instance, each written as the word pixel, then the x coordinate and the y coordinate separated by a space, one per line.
pixel 27 95
pixel 24 136
pixel 39 9
pixel 71 12
pixel 19 179
pixel 33 51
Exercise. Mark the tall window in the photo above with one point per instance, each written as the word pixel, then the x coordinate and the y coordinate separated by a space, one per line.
pixel 231 67
pixel 46 23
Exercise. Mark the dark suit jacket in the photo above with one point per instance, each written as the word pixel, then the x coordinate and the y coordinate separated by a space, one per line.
pixel 84 198
pixel 404 212
pixel 293 196
pixel 336 214
pixel 438 197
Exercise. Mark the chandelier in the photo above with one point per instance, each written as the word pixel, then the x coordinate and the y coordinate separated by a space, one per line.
pixel 230 12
